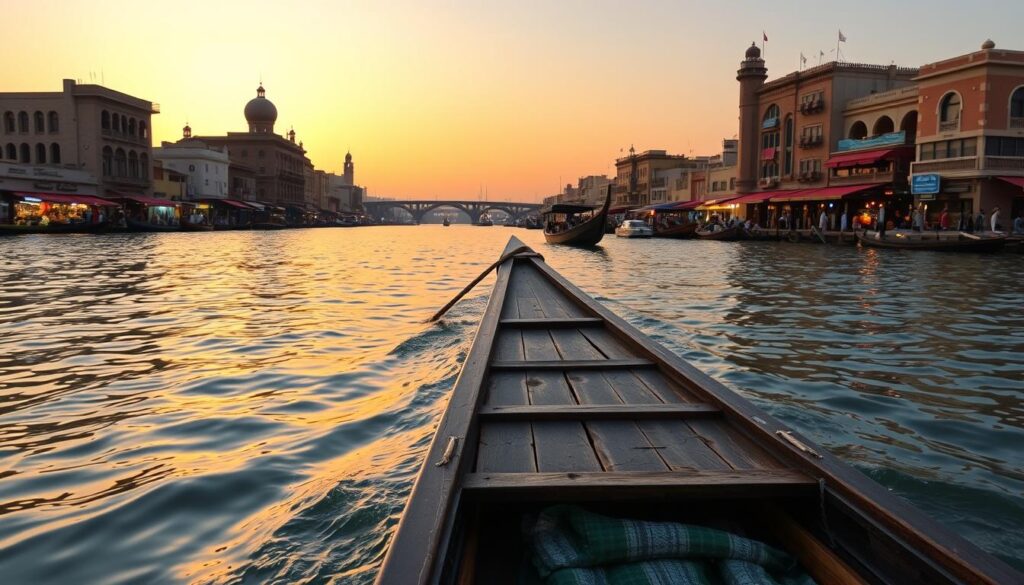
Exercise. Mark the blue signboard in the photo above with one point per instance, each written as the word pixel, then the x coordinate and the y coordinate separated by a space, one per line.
pixel 924 184
pixel 890 139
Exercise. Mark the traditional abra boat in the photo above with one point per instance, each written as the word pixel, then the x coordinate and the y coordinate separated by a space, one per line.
pixel 943 242
pixel 677 231
pixel 561 401
pixel 725 234
pixel 586 233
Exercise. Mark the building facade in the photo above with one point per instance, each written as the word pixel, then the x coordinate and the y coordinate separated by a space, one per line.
pixel 971 133
pixel 88 127
pixel 277 162
pixel 206 167
pixel 637 180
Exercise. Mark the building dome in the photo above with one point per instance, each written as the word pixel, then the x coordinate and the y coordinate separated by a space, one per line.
pixel 753 52
pixel 260 112
pixel 989 44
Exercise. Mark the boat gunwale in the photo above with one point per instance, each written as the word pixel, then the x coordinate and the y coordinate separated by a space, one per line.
pixel 892 515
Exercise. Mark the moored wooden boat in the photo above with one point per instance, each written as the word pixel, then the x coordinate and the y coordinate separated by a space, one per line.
pixel 936 242
pixel 678 231
pixel 587 233
pixel 134 225
pixel 53 228
pixel 560 400
pixel 195 227
pixel 725 234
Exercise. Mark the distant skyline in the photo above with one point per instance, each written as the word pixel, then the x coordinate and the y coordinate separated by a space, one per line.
pixel 520 98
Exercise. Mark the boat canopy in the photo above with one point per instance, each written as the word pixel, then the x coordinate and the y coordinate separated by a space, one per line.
pixel 67 199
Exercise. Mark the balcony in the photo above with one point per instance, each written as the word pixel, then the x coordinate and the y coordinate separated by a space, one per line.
pixel 811 141
pixel 966 163
pixel 862 178
pixel 1016 122
pixel 950 126
pixel 769 182
pixel 1004 163
pixel 812 107
pixel 809 176
pixel 658 183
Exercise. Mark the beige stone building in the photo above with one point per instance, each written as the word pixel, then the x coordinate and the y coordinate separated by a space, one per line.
pixel 278 163
pixel 642 179
pixel 84 126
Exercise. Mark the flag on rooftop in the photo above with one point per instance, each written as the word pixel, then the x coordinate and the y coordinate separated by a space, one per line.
pixel 842 37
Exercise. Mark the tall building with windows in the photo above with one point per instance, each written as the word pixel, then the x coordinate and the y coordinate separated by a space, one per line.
pixel 85 127
pixel 971 132
pixel 204 166
pixel 278 163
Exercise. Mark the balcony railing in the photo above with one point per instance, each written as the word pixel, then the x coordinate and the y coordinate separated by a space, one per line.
pixel 967 163
pixel 808 176
pixel 859 178
pixel 657 183
pixel 950 126
pixel 811 141
pixel 1004 163
pixel 1016 122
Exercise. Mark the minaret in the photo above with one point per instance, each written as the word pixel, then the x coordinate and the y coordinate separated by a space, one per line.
pixel 350 170
pixel 186 132
pixel 751 76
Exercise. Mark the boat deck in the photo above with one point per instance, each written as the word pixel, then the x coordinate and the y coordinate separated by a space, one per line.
pixel 572 404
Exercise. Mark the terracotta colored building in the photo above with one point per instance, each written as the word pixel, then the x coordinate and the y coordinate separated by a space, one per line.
pixel 971 133
pixel 279 164
pixel 637 177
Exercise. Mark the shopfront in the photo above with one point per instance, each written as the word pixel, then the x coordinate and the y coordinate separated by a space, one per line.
pixel 53 211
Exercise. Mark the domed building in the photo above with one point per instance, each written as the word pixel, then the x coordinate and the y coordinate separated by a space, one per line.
pixel 265 166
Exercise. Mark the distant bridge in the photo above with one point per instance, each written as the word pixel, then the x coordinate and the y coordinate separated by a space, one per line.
pixel 474 209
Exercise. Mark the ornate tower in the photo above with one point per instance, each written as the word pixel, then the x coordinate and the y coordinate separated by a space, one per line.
pixel 751 76
pixel 186 132
pixel 350 170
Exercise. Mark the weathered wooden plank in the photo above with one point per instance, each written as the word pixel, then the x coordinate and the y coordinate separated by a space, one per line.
pixel 630 389
pixel 573 346
pixel 662 387
pixel 569 364
pixel 754 484
pixel 549 388
pixel 538 346
pixel 509 345
pixel 819 561
pixel 608 343
pixel 737 450
pixel 620 445
pixel 507 388
pixel 551 295
pixel 597 412
pixel 565 322
pixel 680 447
pixel 506 447
pixel 563 446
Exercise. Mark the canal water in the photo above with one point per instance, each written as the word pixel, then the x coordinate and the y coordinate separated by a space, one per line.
pixel 254 406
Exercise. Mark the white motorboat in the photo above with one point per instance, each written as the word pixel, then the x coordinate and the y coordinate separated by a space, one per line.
pixel 634 228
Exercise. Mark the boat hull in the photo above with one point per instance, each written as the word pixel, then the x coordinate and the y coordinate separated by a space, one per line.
pixel 960 244
pixel 11 229
pixel 725 235
pixel 141 226
pixel 683 231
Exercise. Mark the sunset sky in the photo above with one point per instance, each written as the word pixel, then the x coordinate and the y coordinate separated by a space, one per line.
pixel 437 99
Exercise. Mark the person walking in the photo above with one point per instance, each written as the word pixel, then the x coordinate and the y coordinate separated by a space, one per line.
pixel 823 221
pixel 995 218
pixel 944 219
pixel 881 221
pixel 979 222
pixel 1018 225
pixel 843 221
pixel 915 220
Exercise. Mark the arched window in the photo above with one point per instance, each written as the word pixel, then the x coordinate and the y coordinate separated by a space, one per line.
pixel 883 125
pixel 9 122
pixel 1017 108
pixel 54 122
pixel 124 124
pixel 26 154
pixel 143 129
pixel 788 152
pixel 909 126
pixel 22 121
pixel 105 120
pixel 12 151
pixel 144 166
pixel 40 154
pixel 108 161
pixel 131 127
pixel 133 165
pixel 859 131
pixel 120 163
pixel 115 122
pixel 40 122
pixel 949 111
pixel 55 153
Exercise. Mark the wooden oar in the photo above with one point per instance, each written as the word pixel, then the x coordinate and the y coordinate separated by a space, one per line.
pixel 520 251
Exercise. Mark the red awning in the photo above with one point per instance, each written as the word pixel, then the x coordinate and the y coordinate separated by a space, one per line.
pixel 620 209
pixel 755 197
pixel 688 204
pixel 150 201
pixel 1018 181
pixel 230 202
pixel 823 194
pixel 866 157
pixel 69 199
